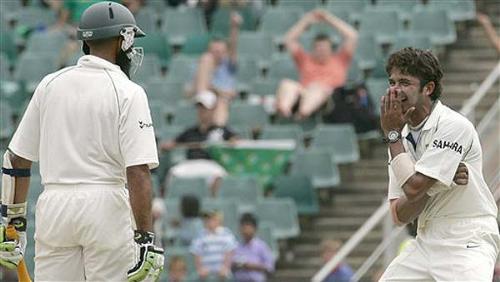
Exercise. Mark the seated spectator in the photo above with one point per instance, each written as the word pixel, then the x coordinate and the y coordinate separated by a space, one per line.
pixel 177 270
pixel 213 249
pixel 343 272
pixel 253 260
pixel 190 224
pixel 199 163
pixel 217 69
pixel 321 71
pixel 490 30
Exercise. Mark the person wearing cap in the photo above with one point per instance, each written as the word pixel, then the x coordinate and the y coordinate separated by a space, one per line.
pixel 217 68
pixel 213 249
pixel 253 260
pixel 199 162
pixel 90 128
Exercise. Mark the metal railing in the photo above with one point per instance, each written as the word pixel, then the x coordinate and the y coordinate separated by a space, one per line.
pixel 468 110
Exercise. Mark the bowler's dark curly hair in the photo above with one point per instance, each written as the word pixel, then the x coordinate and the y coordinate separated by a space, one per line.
pixel 419 63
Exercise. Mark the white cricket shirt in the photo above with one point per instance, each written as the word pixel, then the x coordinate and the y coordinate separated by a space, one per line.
pixel 86 124
pixel 446 139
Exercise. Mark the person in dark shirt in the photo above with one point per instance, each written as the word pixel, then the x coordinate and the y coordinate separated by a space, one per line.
pixel 195 139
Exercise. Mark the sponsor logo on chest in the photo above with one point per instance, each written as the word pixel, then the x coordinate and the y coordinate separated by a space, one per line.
pixel 443 144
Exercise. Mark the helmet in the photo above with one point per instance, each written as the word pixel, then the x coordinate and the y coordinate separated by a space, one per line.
pixel 105 20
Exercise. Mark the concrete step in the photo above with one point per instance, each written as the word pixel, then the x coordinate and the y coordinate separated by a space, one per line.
pixel 338 223
pixel 315 237
pixel 337 210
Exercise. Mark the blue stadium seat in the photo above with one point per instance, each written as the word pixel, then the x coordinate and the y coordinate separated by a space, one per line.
pixel 353 7
pixel 255 46
pixel 339 139
pixel 404 8
pixel 277 21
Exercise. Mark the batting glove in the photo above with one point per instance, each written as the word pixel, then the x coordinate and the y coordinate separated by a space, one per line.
pixel 150 258
pixel 12 251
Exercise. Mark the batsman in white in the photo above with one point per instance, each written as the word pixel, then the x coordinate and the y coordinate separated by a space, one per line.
pixel 457 236
pixel 90 128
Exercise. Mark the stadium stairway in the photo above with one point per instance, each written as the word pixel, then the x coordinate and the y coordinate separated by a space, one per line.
pixel 466 64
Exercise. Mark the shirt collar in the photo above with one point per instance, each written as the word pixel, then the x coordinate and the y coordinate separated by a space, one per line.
pixel 431 121
pixel 97 62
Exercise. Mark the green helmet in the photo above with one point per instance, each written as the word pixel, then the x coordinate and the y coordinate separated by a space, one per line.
pixel 106 20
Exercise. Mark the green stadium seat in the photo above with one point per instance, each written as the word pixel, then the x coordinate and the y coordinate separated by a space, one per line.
pixel 281 213
pixel 172 215
pixel 253 116
pixel 319 165
pixel 156 43
pixel 304 5
pixel 243 131
pixel 185 115
pixel 433 23
pixel 4 67
pixel 32 67
pixel 383 24
pixel 247 72
pixel 169 93
pixel 158 115
pixel 412 40
pixel 339 139
pixel 282 66
pixel 47 42
pixel 355 74
pixel 178 187
pixel 376 89
pixel 243 190
pixel 308 125
pixel 221 20
pixel 255 46
pixel 379 70
pixel 35 17
pixel 147 20
pixel 278 20
pixel 150 68
pixel 264 87
pixel 276 132
pixel 367 52
pixel 402 7
pixel 265 233
pixel 458 10
pixel 7 44
pixel 157 6
pixel 182 69
pixel 6 126
pixel 300 189
pixel 353 7
pixel 181 22
pixel 10 6
pixel 195 44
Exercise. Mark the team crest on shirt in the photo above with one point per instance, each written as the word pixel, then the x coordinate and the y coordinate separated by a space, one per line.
pixel 442 144
pixel 145 125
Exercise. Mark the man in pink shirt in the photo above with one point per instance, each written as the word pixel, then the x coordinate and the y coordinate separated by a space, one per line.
pixel 320 71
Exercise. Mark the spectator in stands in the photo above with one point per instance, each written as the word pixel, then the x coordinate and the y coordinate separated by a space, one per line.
pixel 213 249
pixel 199 163
pixel 217 69
pixel 177 269
pixel 343 272
pixel 190 225
pixel 253 260
pixel 133 5
pixel 490 30
pixel 320 71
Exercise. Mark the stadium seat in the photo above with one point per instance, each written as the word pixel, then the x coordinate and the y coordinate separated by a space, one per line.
pixel 229 210
pixel 253 116
pixel 304 5
pixel 458 10
pixel 433 23
pixel 195 44
pixel 243 131
pixel 7 44
pixel 168 93
pixel 376 89
pixel 276 132
pixel 255 46
pixel 182 186
pixel 182 69
pixel 299 188
pixel 383 24
pixel 282 66
pixel 150 68
pixel 32 67
pixel 181 22
pixel 411 40
pixel 4 67
pixel 155 43
pixel 367 52
pixel 158 115
pixel 265 233
pixel 379 70
pixel 277 21
pixel 6 126
pixel 308 125
pixel 243 190
pixel 319 165
pixel 353 7
pixel 264 87
pixel 247 71
pixel 404 8
pixel 172 214
pixel 147 20
pixel 281 213
pixel 339 139
pixel 47 42
pixel 185 115
pixel 221 20
pixel 355 74
pixel 35 17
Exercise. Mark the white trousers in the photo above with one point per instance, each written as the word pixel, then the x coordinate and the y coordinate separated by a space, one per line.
pixel 83 233
pixel 449 250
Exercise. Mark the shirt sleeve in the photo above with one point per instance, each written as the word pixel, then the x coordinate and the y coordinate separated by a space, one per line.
pixel 267 258
pixel 446 150
pixel 26 140
pixel 137 138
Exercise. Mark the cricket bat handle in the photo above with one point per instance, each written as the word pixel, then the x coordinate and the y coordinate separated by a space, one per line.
pixel 22 270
